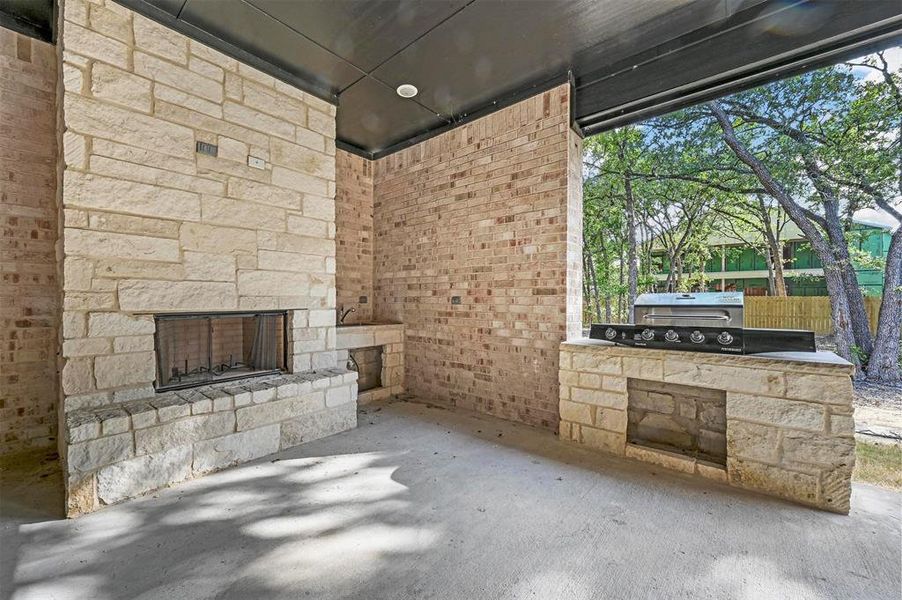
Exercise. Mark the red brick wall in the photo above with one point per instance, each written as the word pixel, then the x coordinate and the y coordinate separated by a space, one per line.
pixel 483 212
pixel 354 234
pixel 28 211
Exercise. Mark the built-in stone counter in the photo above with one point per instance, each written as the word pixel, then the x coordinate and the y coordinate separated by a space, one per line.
pixel 388 336
pixel 124 450
pixel 789 426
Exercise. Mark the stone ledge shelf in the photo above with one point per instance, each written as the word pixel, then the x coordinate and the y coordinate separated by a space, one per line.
pixel 789 425
pixel 388 335
pixel 118 452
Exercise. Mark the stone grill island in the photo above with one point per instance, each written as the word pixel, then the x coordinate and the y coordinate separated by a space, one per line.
pixel 785 426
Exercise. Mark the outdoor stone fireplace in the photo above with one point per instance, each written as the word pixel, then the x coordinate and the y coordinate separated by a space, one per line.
pixel 200 349
pixel 779 423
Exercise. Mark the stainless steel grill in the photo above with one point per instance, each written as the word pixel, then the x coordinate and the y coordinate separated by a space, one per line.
pixel 705 309
pixel 701 322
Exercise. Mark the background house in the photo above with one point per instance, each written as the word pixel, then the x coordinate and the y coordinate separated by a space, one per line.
pixel 737 264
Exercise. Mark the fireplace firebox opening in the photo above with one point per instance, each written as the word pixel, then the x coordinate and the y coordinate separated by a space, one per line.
pixel 203 348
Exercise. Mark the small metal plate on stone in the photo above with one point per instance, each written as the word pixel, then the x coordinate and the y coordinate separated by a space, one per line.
pixel 362 300
pixel 256 163
pixel 455 299
pixel 205 148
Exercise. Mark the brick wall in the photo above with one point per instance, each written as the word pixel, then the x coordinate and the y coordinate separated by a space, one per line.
pixel 151 226
pixel 489 212
pixel 28 299
pixel 354 234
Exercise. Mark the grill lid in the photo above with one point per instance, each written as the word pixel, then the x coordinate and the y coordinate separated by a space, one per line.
pixel 719 299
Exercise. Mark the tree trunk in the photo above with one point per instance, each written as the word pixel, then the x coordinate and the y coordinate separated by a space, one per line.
pixel 884 363
pixel 857 313
pixel 632 277
pixel 594 276
pixel 839 303
pixel 771 278
pixel 839 309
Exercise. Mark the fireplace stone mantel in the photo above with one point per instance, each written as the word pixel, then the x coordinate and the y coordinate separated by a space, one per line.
pixel 789 425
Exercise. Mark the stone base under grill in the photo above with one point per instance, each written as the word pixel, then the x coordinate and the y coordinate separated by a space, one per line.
pixel 790 431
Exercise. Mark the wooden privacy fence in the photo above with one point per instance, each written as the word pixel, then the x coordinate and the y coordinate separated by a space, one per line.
pixel 799 312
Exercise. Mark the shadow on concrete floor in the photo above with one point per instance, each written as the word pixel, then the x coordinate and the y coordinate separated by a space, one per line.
pixel 32 487
pixel 421 502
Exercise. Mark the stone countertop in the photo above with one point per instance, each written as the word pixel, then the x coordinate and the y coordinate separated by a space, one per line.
pixel 364 335
pixel 810 359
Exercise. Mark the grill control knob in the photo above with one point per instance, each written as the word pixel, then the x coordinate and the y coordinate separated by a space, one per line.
pixel 610 333
pixel 648 335
pixel 724 338
pixel 697 337
pixel 671 336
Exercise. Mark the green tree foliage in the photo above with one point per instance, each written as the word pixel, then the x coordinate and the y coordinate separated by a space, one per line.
pixel 814 149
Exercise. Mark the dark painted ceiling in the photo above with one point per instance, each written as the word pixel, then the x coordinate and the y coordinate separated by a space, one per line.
pixel 469 56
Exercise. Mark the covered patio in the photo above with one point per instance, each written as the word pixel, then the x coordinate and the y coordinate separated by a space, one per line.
pixel 423 502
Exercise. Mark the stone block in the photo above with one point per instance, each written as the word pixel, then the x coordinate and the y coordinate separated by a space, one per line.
pixel 836 489
pixel 599 398
pixel 142 474
pixel 653 401
pixel 820 388
pixel 603 440
pixel 143 413
pixel 818 449
pixel 663 458
pixel 752 441
pixel 794 485
pixel 124 369
pixel 643 368
pixel 610 419
pixel 842 425
pixel 77 376
pixel 113 420
pixel 152 37
pixel 337 396
pixel 100 119
pixel 235 448
pixel 148 296
pixel 183 431
pixel 257 415
pixel 170 407
pixel 121 87
pixel 87 456
pixel 318 424
pixel 596 363
pixel 81 426
pixel 776 411
pixel 116 324
pixel 94 45
pixel 572 411
pixel 86 347
pixel 723 377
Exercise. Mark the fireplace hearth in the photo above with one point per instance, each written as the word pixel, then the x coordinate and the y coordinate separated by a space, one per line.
pixel 200 349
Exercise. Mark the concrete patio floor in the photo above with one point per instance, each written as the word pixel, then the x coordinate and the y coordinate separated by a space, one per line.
pixel 421 502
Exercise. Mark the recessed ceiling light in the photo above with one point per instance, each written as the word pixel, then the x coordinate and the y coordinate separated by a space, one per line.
pixel 406 90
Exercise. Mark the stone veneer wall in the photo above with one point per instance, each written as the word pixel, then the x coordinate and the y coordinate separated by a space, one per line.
pixel 354 234
pixel 149 226
pixel 29 299
pixel 790 431
pixel 489 212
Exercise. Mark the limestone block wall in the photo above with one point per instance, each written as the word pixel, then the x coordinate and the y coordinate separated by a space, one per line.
pixel 789 425
pixel 474 232
pixel 354 234
pixel 149 225
pixel 121 451
pixel 29 300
